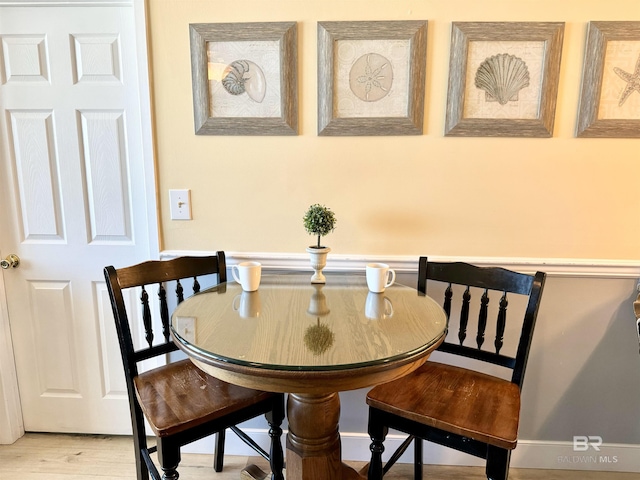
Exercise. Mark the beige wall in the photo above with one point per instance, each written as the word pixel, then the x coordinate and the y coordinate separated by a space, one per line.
pixel 561 197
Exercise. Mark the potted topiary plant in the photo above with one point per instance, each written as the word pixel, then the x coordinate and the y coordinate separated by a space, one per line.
pixel 320 221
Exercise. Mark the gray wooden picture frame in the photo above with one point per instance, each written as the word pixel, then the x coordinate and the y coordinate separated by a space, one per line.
pixel 588 124
pixel 462 33
pixel 329 33
pixel 285 33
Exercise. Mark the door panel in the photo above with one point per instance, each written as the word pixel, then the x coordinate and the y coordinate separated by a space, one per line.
pixel 106 176
pixel 36 167
pixel 56 363
pixel 73 199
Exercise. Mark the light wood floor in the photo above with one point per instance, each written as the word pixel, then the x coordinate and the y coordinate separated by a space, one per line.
pixel 80 457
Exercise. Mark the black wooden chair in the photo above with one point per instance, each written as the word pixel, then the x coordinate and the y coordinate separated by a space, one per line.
pixel 461 408
pixel 180 402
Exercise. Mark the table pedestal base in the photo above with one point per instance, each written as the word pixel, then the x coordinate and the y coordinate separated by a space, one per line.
pixel 313 442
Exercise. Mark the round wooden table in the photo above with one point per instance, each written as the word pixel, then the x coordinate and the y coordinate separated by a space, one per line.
pixel 310 341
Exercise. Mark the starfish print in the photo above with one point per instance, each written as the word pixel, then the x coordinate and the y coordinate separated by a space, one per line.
pixel 632 79
pixel 371 78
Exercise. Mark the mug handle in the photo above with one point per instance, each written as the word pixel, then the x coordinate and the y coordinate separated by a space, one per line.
pixel 388 307
pixel 235 272
pixel 393 278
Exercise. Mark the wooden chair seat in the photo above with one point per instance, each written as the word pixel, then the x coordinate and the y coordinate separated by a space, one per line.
pixel 180 396
pixel 457 400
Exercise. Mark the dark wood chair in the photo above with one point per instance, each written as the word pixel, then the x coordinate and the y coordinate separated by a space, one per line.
pixel 462 408
pixel 180 402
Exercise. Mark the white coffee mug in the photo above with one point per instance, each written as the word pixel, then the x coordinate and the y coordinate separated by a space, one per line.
pixel 247 304
pixel 247 274
pixel 378 307
pixel 379 277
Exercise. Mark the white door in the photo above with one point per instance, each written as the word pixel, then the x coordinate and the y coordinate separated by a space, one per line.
pixel 74 197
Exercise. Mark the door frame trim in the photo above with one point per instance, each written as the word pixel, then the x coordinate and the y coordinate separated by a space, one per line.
pixel 11 423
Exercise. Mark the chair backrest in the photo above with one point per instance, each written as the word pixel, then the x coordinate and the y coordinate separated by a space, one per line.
pixel 486 279
pixel 146 275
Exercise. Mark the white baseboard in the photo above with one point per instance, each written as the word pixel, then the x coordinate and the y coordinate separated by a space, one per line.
pixel 539 455
pixel 561 456
pixel 528 454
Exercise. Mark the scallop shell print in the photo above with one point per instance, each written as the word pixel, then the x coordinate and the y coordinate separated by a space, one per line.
pixel 502 77
pixel 244 76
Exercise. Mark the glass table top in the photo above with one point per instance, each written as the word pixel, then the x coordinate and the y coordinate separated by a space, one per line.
pixel 291 324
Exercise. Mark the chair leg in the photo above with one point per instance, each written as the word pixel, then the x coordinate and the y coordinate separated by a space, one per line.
pixel 169 458
pixel 377 432
pixel 142 472
pixel 276 456
pixel 498 460
pixel 417 458
pixel 218 451
pixel 140 445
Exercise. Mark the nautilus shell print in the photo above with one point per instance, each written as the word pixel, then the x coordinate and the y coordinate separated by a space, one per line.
pixel 244 76
pixel 502 77
pixel 371 77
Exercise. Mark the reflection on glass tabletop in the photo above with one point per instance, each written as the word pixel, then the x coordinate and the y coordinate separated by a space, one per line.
pixel 291 324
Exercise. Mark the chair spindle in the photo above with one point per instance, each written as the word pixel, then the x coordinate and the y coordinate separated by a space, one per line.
pixel 179 292
pixel 448 294
pixel 196 285
pixel 464 315
pixel 164 311
pixel 502 322
pixel 146 316
pixel 482 318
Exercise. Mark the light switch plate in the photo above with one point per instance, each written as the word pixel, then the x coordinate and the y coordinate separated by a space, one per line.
pixel 180 204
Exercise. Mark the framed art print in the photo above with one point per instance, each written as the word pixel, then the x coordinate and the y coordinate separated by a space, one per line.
pixel 371 77
pixel 610 92
pixel 503 79
pixel 244 78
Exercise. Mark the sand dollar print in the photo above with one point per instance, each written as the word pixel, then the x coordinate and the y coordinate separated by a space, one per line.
pixel 371 77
